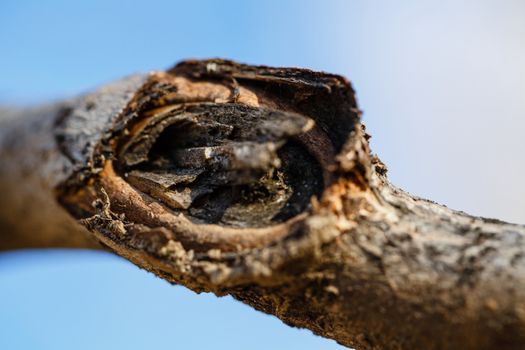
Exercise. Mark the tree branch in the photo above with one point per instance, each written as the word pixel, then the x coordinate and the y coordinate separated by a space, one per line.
pixel 258 182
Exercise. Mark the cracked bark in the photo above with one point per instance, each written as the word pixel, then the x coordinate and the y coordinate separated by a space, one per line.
pixel 258 182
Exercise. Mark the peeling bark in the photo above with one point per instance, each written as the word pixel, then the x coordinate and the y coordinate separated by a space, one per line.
pixel 258 182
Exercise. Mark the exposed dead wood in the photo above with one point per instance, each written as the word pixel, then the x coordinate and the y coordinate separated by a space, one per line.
pixel 258 182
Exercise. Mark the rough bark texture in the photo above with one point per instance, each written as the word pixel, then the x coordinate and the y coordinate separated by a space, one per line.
pixel 258 182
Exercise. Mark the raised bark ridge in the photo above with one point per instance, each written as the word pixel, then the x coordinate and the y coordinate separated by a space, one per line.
pixel 258 182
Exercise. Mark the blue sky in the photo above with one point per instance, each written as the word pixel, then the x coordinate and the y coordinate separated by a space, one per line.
pixel 441 84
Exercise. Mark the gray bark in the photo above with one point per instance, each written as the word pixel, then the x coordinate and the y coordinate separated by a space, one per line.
pixel 282 206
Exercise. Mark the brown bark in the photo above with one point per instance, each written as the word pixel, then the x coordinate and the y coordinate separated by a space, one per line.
pixel 258 182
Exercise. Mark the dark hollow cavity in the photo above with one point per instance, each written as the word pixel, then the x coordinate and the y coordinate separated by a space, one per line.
pixel 216 170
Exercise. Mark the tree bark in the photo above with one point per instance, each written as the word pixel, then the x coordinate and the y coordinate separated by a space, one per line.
pixel 258 182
